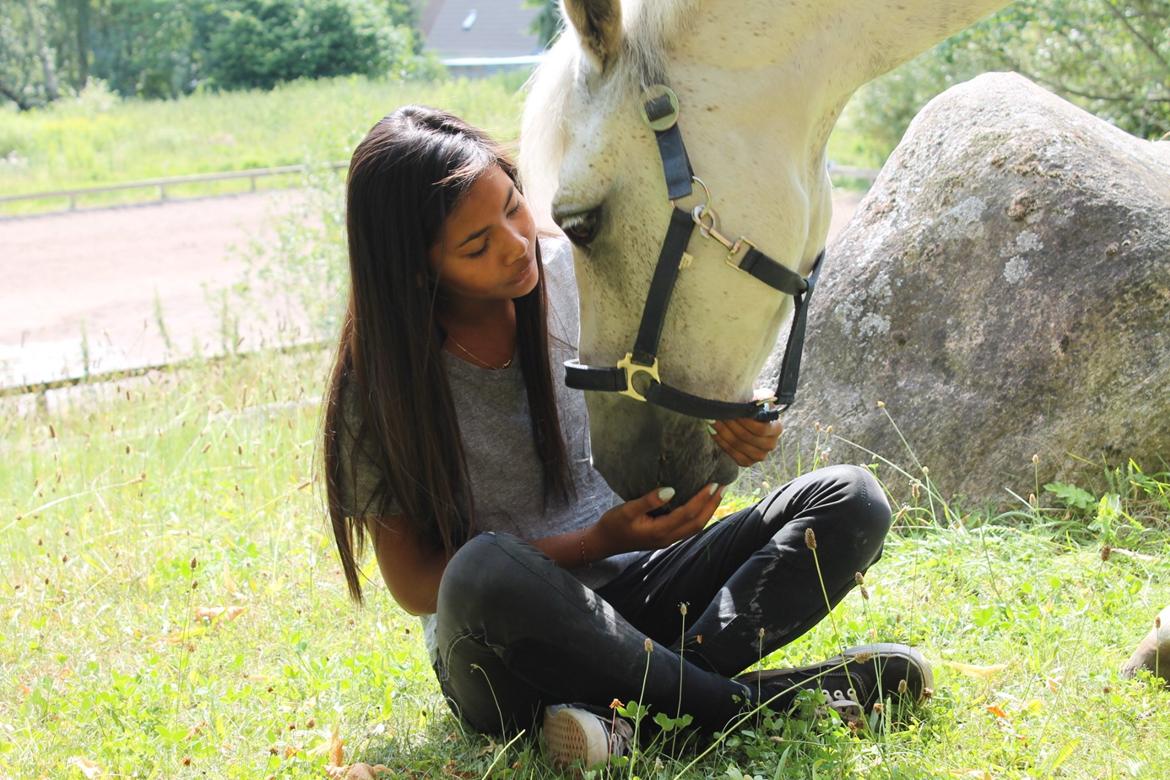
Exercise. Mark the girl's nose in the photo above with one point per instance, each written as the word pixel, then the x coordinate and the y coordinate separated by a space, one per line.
pixel 518 245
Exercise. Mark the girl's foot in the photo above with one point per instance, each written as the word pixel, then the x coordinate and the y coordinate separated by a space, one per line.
pixel 854 681
pixel 574 733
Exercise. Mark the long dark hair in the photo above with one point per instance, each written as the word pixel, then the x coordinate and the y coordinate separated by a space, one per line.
pixel 405 177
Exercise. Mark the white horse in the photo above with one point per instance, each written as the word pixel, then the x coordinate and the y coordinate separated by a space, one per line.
pixel 760 85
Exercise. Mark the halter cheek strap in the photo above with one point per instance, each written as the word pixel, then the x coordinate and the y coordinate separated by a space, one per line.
pixel 636 375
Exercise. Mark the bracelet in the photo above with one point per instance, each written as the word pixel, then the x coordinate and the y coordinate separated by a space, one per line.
pixel 584 559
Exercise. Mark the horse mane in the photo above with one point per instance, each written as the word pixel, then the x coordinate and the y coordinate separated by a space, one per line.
pixel 647 26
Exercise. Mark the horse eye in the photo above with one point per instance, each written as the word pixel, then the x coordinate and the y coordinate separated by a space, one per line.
pixel 581 227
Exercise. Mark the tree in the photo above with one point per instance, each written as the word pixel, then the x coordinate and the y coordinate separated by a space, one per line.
pixel 164 48
pixel 547 24
pixel 143 47
pixel 28 66
pixel 260 43
pixel 1111 57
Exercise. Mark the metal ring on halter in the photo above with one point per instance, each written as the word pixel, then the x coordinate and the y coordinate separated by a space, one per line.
pixel 706 218
pixel 706 194
pixel 710 229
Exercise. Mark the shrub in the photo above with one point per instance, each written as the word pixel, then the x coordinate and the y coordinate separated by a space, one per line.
pixel 260 43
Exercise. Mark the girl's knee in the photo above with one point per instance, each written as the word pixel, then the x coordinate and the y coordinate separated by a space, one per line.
pixel 474 571
pixel 862 490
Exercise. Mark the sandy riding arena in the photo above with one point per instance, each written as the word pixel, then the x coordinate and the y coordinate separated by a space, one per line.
pixel 115 288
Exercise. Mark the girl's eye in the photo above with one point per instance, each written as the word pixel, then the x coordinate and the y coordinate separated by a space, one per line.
pixel 514 209
pixel 479 251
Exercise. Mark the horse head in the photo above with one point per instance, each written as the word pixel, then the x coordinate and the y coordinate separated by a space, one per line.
pixel 759 86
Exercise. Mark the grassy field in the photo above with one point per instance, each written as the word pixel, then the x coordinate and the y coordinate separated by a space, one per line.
pixel 99 139
pixel 129 515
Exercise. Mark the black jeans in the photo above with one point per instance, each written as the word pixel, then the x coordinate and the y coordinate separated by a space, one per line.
pixel 517 632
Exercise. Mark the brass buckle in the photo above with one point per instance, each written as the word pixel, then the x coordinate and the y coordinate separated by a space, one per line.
pixel 741 245
pixel 633 369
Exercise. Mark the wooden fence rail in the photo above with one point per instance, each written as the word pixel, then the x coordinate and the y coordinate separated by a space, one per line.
pixel 160 184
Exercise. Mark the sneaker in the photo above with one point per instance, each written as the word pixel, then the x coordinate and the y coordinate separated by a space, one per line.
pixel 575 734
pixel 854 681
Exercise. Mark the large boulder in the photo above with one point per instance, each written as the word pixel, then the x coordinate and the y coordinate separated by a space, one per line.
pixel 1004 289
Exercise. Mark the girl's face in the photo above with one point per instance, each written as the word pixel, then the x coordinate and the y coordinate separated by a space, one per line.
pixel 487 246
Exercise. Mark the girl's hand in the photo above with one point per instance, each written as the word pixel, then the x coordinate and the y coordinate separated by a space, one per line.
pixel 747 441
pixel 629 526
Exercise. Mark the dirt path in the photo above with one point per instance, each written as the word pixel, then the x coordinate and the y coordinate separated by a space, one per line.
pixel 115 274
pixel 94 286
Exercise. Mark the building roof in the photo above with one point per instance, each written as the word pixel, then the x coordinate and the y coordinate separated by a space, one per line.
pixel 461 29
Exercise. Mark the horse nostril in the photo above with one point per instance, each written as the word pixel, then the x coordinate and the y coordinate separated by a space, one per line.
pixel 580 228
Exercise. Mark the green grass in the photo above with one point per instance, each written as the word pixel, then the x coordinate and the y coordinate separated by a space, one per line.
pixel 104 140
pixel 100 139
pixel 125 510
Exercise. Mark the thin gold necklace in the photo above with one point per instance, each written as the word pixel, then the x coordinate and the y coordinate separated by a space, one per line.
pixel 482 363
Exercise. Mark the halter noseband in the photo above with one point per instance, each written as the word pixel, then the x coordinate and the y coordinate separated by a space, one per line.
pixel 636 375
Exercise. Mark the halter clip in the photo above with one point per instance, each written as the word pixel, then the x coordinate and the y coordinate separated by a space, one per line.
pixel 708 222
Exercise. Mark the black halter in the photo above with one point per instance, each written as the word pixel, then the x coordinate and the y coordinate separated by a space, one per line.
pixel 636 375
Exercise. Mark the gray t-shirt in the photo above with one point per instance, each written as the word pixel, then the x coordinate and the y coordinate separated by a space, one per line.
pixel 503 468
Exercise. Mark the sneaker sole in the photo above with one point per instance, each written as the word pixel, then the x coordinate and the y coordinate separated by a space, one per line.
pixel 895 650
pixel 572 735
pixel 891 650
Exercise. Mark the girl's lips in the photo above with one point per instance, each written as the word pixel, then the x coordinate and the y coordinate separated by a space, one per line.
pixel 523 273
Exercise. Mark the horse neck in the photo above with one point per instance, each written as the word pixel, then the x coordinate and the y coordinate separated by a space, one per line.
pixel 777 73
pixel 832 46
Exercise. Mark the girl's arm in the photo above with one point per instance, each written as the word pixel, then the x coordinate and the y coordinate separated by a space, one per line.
pixel 411 569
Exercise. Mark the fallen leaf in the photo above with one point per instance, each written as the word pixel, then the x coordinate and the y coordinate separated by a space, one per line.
pixel 997 712
pixel 336 748
pixel 978 672
pixel 87 767
pixel 357 771
pixel 450 770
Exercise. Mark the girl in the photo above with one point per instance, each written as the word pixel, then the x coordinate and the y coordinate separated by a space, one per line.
pixel 453 448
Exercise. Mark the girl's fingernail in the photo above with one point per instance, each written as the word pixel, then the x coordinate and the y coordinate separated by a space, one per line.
pixel 666 494
pixel 721 489
pixel 711 429
pixel 712 488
